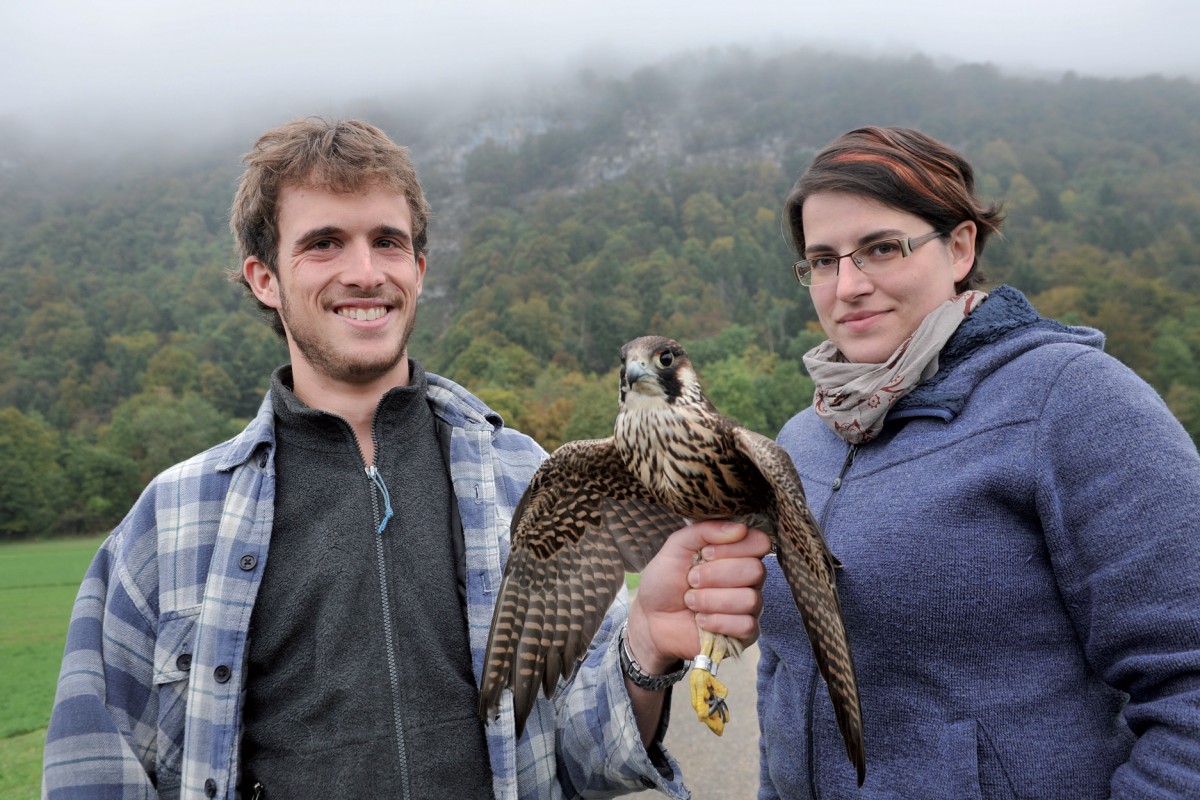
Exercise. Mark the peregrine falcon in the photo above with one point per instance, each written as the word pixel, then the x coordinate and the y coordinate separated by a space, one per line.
pixel 597 508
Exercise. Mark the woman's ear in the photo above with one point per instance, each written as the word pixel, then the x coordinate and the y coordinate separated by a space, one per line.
pixel 962 249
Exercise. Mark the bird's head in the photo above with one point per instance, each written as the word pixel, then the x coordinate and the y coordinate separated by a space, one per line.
pixel 657 368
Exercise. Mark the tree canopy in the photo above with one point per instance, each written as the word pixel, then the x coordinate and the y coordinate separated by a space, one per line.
pixel 564 225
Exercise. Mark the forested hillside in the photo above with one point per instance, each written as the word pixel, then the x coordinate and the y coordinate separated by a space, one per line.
pixel 568 219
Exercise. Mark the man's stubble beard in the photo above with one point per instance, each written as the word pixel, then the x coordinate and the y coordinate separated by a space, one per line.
pixel 327 361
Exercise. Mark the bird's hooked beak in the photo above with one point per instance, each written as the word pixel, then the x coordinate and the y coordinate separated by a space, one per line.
pixel 635 370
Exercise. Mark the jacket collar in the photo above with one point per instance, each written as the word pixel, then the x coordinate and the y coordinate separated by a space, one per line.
pixel 451 403
pixel 1006 319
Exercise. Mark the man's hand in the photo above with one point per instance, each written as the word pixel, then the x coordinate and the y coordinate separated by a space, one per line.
pixel 723 594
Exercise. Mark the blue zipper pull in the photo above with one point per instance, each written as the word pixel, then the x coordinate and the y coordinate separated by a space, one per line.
pixel 377 479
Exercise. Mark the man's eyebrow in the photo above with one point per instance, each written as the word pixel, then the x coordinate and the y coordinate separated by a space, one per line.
pixel 333 230
pixel 399 233
pixel 317 233
pixel 870 238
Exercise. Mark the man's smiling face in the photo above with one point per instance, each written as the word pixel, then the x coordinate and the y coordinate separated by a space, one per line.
pixel 347 283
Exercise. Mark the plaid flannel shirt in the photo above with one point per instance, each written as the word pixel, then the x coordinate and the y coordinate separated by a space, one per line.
pixel 149 697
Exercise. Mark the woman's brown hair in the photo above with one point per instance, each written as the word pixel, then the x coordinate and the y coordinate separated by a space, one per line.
pixel 902 168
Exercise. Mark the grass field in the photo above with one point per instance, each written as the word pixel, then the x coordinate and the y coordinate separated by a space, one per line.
pixel 38 582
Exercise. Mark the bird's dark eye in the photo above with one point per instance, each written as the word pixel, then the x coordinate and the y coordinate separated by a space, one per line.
pixel 666 358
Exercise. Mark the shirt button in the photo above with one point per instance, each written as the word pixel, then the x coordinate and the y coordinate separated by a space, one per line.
pixel 262 461
pixel 221 673
pixel 210 788
pixel 184 662
pixel 249 562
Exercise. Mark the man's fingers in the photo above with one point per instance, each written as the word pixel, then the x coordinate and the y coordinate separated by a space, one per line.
pixel 742 627
pixel 755 544
pixel 737 601
pixel 730 612
pixel 714 539
pixel 698 535
pixel 728 572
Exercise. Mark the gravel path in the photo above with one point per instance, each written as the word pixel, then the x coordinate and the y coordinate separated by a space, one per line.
pixel 718 767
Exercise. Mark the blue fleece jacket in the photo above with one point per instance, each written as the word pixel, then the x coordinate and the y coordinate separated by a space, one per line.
pixel 1021 583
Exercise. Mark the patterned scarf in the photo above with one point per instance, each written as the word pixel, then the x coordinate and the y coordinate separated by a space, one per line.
pixel 853 399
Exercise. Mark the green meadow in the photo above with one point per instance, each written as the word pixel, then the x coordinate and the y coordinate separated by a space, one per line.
pixel 38 582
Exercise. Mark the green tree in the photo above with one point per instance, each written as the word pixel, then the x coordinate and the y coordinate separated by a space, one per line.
pixel 494 362
pixel 759 389
pixel 705 217
pixel 99 486
pixel 172 368
pixel 732 384
pixel 218 388
pixel 59 331
pixel 155 429
pixel 30 478
pixel 129 354
pixel 595 408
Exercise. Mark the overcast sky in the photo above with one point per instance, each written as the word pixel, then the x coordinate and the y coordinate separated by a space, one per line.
pixel 97 62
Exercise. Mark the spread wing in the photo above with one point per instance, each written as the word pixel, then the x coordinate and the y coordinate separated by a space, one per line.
pixel 808 566
pixel 583 521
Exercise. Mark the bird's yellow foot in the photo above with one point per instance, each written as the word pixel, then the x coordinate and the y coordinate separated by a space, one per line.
pixel 708 695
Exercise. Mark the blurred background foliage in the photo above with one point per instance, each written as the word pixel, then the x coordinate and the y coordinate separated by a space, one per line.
pixel 567 221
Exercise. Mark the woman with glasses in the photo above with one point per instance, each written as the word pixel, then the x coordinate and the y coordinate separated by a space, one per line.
pixel 1015 512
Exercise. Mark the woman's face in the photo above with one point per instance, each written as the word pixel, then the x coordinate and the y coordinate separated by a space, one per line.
pixel 869 316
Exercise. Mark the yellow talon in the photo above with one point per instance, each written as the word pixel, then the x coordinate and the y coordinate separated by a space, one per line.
pixel 708 698
pixel 708 693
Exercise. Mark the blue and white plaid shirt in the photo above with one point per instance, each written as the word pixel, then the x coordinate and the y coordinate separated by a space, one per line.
pixel 149 697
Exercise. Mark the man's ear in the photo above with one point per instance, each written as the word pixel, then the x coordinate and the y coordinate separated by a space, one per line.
pixel 263 282
pixel 420 273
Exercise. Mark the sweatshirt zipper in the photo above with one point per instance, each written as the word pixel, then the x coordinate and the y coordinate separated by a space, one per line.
pixel 812 695
pixel 840 479
pixel 389 636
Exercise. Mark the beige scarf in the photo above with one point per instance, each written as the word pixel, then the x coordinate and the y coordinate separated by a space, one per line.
pixel 854 399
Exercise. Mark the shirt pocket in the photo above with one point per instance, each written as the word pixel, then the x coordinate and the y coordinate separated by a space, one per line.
pixel 172 670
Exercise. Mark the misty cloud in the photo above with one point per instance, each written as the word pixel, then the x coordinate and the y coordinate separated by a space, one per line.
pixel 127 64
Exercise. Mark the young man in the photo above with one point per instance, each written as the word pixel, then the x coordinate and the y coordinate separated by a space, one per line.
pixel 302 610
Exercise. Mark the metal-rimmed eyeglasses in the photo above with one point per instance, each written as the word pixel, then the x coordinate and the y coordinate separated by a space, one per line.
pixel 870 258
